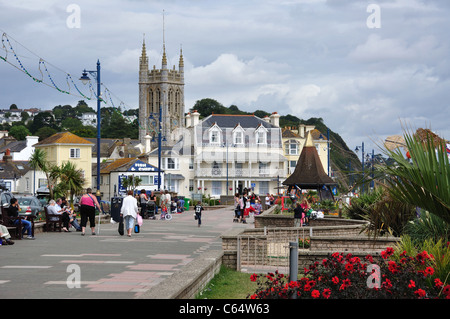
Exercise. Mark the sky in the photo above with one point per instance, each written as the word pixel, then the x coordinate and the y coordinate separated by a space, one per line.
pixel 370 69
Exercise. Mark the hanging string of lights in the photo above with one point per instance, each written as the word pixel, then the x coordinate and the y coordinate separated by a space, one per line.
pixel 9 49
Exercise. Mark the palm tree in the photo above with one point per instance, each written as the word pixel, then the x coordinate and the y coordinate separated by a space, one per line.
pixel 131 182
pixel 425 180
pixel 38 160
pixel 70 179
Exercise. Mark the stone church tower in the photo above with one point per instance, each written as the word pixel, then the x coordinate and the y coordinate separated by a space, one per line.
pixel 160 90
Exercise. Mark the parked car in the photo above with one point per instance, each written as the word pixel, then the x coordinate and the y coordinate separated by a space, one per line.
pixel 29 203
pixel 5 197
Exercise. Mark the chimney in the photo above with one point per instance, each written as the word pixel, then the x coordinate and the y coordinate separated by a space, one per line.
pixel 267 119
pixel 195 118
pixel 31 140
pixel 148 145
pixel 188 120
pixel 275 119
pixel 7 158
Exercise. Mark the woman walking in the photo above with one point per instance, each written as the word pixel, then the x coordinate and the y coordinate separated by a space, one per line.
pixel 129 212
pixel 88 203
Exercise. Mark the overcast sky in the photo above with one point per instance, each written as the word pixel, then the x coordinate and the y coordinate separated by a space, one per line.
pixel 366 67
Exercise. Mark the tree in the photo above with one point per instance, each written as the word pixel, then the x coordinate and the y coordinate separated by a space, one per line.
pixel 38 160
pixel 45 132
pixel 70 180
pixel 425 180
pixel 131 182
pixel 19 132
pixel 208 106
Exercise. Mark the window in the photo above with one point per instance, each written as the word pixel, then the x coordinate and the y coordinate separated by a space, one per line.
pixel 146 179
pixel 214 137
pixel 216 188
pixel 263 169
pixel 191 185
pixel 170 163
pixel 264 187
pixel 74 153
pixel 191 163
pixel 291 147
pixel 292 165
pixel 238 137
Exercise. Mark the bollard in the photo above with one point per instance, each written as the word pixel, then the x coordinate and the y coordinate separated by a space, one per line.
pixel 293 263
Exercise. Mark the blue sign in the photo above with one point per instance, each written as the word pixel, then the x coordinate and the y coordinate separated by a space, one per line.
pixel 140 166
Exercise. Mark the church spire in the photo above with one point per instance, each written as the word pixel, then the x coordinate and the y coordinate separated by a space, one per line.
pixel 144 59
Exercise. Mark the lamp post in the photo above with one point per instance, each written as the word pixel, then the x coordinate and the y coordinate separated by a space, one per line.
pixel 362 157
pixel 85 79
pixel 158 130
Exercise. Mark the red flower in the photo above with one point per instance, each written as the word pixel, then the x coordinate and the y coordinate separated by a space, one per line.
pixel 315 294
pixel 348 267
pixel 335 280
pixel 254 277
pixel 387 253
pixel 429 271
pixel 326 293
pixel 420 293
pixel 369 258
pixel 412 284
pixel 438 283
pixel 446 290
pixel 393 268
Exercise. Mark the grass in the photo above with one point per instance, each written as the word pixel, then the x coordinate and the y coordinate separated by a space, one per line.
pixel 228 284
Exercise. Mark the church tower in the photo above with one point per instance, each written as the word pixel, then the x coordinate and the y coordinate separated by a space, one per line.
pixel 160 90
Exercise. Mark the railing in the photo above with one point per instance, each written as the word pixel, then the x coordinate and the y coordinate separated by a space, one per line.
pixel 239 172
pixel 269 252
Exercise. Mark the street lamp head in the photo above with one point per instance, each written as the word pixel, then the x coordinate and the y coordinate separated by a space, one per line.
pixel 84 78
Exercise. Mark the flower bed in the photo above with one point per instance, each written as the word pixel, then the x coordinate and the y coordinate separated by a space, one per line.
pixel 345 276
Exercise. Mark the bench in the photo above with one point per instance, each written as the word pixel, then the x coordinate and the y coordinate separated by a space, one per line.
pixel 14 230
pixel 52 221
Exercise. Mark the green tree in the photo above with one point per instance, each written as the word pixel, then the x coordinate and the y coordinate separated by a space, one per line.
pixel 38 160
pixel 20 132
pixel 45 132
pixel 70 180
pixel 208 106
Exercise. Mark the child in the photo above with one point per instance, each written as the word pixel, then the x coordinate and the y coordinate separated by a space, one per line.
pixel 163 211
pixel 198 212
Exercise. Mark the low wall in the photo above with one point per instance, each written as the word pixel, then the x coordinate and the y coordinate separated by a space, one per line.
pixel 189 281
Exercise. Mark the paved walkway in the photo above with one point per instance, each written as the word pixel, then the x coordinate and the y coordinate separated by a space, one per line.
pixel 108 265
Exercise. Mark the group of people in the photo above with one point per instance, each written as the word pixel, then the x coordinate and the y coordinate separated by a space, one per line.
pixel 245 205
pixel 301 213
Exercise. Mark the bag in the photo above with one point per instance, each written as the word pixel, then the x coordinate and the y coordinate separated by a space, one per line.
pixel 139 220
pixel 121 227
pixel 195 216
pixel 137 228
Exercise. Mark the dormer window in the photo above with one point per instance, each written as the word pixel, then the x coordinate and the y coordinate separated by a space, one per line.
pixel 238 135
pixel 261 135
pixel 214 134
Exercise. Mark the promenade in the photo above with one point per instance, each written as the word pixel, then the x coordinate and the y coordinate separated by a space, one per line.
pixel 67 265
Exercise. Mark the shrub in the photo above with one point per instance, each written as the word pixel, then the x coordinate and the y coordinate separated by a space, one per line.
pixel 341 277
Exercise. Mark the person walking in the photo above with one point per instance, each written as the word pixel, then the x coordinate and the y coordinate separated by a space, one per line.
pixel 198 212
pixel 143 199
pixel 298 215
pixel 88 202
pixel 129 211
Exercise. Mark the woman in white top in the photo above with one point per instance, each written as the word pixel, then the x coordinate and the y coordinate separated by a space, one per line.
pixel 129 212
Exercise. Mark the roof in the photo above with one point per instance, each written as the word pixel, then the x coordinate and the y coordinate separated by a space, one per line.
pixel 63 138
pixel 231 120
pixel 309 172
pixel 123 165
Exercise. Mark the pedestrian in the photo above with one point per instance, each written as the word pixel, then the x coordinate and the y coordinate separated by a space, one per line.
pixel 129 211
pixel 88 202
pixel 298 214
pixel 143 199
pixel 13 213
pixel 198 212
pixel 237 208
